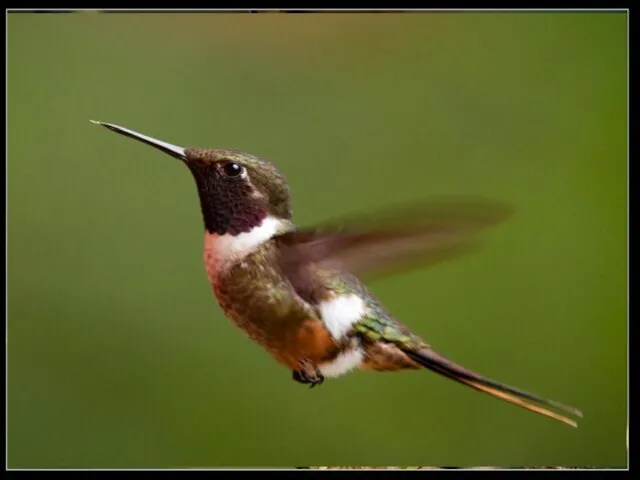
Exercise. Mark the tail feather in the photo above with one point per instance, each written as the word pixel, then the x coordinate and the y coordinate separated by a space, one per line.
pixel 439 364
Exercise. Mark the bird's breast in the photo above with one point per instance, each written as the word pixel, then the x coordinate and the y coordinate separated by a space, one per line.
pixel 254 294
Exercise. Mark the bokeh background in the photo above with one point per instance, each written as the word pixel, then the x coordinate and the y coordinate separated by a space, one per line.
pixel 118 355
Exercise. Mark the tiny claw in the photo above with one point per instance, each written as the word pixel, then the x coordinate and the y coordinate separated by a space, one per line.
pixel 308 373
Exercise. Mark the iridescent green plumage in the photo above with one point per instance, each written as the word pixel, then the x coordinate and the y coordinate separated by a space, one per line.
pixel 377 324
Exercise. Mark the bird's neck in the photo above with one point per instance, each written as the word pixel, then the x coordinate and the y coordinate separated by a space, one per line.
pixel 222 251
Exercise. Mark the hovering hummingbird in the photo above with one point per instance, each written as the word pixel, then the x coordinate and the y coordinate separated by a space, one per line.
pixel 295 291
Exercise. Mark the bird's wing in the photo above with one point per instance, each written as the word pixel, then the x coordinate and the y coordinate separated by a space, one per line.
pixel 404 237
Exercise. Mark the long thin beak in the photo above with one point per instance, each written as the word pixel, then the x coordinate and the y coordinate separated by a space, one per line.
pixel 173 150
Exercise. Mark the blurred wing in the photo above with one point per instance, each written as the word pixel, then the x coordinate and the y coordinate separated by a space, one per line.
pixel 405 237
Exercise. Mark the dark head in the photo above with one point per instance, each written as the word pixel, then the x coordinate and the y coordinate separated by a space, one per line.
pixel 237 190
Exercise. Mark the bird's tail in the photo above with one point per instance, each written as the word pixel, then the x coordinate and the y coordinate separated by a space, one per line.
pixel 439 364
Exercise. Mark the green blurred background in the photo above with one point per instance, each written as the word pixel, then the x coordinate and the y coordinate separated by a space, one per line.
pixel 118 355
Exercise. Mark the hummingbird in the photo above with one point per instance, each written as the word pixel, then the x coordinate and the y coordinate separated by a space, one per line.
pixel 299 292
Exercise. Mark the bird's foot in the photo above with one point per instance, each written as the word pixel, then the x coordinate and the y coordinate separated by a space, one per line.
pixel 309 374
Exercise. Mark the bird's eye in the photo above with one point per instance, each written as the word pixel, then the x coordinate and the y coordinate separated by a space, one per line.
pixel 232 169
